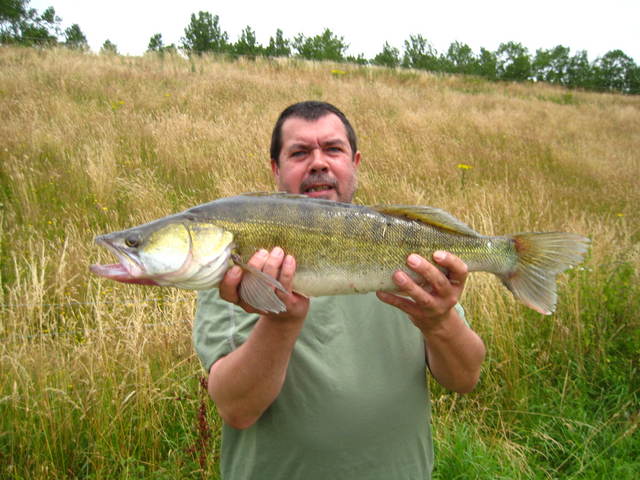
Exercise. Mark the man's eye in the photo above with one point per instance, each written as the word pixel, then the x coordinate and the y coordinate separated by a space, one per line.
pixel 298 153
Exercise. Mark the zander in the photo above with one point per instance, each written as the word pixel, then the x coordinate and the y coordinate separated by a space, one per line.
pixel 339 248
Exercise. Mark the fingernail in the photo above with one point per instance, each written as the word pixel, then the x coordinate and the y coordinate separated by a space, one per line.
pixel 413 260
pixel 400 278
pixel 438 256
pixel 262 253
pixel 277 252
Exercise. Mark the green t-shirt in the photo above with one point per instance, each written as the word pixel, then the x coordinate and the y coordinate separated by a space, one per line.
pixel 355 402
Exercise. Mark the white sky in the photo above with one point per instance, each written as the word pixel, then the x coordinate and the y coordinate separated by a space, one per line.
pixel 594 26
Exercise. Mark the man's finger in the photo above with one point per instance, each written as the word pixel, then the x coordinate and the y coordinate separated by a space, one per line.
pixel 273 262
pixel 287 272
pixel 457 270
pixel 429 273
pixel 229 285
pixel 418 293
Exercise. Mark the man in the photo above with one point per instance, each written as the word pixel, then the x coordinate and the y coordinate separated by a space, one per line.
pixel 334 387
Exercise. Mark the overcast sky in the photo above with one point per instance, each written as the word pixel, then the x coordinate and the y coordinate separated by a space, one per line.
pixel 594 26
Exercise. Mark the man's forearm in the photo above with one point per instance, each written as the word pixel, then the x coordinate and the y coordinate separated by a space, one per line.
pixel 244 383
pixel 455 354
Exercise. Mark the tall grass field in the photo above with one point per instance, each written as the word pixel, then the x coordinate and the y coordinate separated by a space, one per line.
pixel 99 380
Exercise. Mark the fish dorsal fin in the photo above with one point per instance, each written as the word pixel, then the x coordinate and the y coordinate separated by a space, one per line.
pixel 430 215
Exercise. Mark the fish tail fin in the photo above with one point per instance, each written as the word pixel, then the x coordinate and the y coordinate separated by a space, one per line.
pixel 540 257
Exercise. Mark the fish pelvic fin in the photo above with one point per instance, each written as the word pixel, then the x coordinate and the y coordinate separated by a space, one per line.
pixel 258 289
pixel 540 257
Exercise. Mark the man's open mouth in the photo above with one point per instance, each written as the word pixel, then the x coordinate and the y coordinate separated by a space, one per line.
pixel 318 188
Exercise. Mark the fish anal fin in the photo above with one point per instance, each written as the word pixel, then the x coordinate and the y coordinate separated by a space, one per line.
pixel 429 215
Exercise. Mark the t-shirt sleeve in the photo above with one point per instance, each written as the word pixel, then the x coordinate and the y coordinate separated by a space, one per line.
pixel 219 327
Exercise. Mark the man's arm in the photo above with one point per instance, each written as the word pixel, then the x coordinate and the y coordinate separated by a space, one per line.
pixel 454 351
pixel 245 382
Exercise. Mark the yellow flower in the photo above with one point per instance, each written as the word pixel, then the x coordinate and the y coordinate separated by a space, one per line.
pixel 338 72
pixel 464 166
pixel 619 214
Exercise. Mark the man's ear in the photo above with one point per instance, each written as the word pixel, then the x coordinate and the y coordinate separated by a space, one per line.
pixel 356 158
pixel 275 169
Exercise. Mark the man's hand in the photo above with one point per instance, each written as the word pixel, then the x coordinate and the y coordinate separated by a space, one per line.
pixel 431 301
pixel 244 383
pixel 278 265
pixel 454 352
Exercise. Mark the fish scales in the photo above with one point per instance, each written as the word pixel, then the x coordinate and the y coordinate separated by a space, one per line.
pixel 340 248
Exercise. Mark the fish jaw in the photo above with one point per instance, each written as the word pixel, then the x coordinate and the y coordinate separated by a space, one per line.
pixel 119 273
pixel 127 271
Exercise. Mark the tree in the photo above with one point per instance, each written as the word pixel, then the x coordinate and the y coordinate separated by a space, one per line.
pixel 388 57
pixel 108 48
pixel 460 59
pixel 75 39
pixel 278 46
pixel 326 46
pixel 157 45
pixel 513 62
pixel 614 71
pixel 579 71
pixel 487 64
pixel 359 59
pixel 247 43
pixel 19 24
pixel 418 53
pixel 203 34
pixel 552 65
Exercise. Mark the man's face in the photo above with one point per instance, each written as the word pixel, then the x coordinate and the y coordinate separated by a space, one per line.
pixel 316 159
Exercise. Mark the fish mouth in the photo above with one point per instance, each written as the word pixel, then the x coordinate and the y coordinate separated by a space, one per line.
pixel 129 270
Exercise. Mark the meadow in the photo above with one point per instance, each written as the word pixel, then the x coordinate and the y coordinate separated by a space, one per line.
pixel 99 380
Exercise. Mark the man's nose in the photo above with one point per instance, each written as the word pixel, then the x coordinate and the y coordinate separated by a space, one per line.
pixel 319 162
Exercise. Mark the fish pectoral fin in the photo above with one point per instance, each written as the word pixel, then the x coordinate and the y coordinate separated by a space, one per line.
pixel 430 215
pixel 257 289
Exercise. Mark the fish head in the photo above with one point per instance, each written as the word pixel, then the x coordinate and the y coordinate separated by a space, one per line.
pixel 175 252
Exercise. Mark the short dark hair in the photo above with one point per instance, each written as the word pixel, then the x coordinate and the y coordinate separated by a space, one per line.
pixel 309 110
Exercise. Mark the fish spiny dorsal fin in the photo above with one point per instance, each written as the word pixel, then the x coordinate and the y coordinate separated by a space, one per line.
pixel 430 215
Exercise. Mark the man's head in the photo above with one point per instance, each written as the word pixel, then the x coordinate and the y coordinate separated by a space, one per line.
pixel 314 152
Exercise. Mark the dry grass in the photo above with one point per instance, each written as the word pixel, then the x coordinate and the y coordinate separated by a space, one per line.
pixel 99 381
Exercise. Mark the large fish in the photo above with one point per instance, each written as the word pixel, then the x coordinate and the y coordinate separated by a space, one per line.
pixel 339 248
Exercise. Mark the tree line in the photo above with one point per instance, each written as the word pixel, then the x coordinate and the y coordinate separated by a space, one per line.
pixel 614 71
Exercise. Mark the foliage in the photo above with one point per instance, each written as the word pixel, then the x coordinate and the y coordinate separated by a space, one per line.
pixel 157 45
pixel 109 48
pixel 204 34
pixel 460 59
pixel 613 72
pixel 419 53
pixel 388 57
pixel 616 71
pixel 75 39
pixel 278 46
pixel 325 46
pixel 247 44
pixel 23 25
pixel 513 62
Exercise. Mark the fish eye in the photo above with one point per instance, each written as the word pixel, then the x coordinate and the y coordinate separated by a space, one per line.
pixel 132 240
